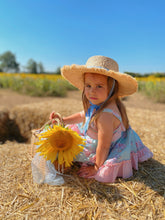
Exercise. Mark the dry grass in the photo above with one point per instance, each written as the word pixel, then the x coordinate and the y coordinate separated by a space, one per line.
pixel 29 117
pixel 139 197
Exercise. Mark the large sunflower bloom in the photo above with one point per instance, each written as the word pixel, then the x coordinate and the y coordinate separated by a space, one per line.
pixel 60 143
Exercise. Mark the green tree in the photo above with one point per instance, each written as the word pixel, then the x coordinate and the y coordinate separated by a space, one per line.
pixel 58 71
pixel 133 74
pixel 8 62
pixel 40 68
pixel 31 66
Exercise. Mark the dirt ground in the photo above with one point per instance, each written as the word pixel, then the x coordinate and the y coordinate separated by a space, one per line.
pixel 139 197
pixel 10 99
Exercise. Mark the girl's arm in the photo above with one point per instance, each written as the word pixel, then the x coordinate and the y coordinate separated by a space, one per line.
pixel 105 125
pixel 74 119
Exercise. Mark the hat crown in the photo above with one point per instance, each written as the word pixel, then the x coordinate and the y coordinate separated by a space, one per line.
pixel 102 62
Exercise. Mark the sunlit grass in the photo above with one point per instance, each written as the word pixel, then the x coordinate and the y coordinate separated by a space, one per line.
pixel 56 85
pixel 35 84
pixel 153 87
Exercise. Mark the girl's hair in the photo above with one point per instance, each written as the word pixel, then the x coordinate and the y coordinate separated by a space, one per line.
pixel 114 96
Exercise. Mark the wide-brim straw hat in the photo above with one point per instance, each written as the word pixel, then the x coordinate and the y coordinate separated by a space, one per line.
pixel 127 85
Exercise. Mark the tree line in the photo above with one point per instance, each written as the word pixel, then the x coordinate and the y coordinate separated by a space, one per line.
pixel 8 63
pixel 146 74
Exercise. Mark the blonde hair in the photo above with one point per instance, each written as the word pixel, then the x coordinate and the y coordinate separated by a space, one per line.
pixel 114 96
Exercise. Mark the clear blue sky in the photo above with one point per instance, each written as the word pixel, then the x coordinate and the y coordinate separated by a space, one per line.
pixel 59 32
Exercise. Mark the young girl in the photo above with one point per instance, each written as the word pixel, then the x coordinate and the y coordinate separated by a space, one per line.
pixel 112 148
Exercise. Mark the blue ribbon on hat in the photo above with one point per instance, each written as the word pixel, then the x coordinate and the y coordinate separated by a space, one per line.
pixel 93 108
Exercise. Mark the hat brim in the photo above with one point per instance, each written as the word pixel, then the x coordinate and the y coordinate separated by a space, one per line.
pixel 75 75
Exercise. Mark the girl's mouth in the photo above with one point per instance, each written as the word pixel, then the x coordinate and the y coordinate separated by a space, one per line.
pixel 93 98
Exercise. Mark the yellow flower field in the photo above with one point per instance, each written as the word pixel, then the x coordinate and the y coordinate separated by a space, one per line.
pixel 52 77
pixel 153 87
pixel 35 84
pixel 151 78
pixel 55 85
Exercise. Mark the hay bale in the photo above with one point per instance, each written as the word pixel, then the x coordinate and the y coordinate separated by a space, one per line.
pixel 139 197
pixel 9 130
pixel 29 117
pixel 4 118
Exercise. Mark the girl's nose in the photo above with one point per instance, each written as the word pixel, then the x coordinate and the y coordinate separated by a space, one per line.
pixel 93 90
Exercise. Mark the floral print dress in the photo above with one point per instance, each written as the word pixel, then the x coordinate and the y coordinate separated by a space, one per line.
pixel 125 152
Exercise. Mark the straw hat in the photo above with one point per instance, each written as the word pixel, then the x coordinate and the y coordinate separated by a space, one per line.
pixel 101 65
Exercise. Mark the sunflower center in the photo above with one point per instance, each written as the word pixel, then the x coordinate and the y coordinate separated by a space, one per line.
pixel 61 140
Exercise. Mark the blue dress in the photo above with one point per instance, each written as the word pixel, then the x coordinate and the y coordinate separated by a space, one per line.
pixel 125 152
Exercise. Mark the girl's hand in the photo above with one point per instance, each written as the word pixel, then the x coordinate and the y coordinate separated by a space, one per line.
pixel 53 116
pixel 87 171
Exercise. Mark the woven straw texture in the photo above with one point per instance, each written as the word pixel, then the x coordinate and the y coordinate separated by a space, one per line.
pixel 101 65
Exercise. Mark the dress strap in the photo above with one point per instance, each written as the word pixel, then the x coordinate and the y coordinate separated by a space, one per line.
pixel 111 111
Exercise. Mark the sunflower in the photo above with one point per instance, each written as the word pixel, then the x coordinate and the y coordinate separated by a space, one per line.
pixel 60 143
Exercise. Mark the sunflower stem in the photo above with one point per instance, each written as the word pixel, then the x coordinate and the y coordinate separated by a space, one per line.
pixel 58 167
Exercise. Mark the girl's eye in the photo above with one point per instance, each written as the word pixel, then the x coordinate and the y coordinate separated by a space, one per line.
pixel 88 86
pixel 99 86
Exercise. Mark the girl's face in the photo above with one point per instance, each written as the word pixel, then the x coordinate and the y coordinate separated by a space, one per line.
pixel 96 88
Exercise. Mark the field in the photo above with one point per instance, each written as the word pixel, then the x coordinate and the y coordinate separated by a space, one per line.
pixel 152 86
pixel 35 84
pixel 139 197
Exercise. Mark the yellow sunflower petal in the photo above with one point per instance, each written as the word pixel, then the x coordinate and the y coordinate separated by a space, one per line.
pixel 68 162
pixel 70 156
pixel 62 142
pixel 41 142
pixel 53 156
pixel 43 148
pixel 47 154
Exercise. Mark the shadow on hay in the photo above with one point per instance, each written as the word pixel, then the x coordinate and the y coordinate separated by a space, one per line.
pixel 90 187
pixel 11 132
pixel 151 173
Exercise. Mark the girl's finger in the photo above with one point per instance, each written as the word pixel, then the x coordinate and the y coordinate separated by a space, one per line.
pixel 51 116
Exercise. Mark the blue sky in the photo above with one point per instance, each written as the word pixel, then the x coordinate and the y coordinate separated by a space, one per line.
pixel 63 32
